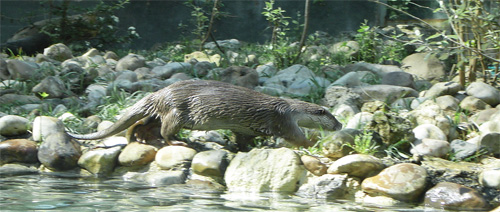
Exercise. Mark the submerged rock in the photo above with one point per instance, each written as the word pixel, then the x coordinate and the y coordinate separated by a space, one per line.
pixel 446 195
pixel 328 186
pixel 265 170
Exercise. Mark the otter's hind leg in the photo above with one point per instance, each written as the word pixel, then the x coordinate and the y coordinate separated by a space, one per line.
pixel 170 126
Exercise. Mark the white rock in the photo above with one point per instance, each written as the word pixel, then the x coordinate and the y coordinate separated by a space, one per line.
pixel 44 126
pixel 485 92
pixel 428 131
pixel 12 125
pixel 172 156
pixel 359 120
pixel 430 147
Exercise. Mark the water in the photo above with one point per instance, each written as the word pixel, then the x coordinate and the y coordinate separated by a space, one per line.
pixel 52 193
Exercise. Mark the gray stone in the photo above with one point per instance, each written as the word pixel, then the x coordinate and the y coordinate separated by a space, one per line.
pixel 202 68
pixel 207 136
pixel 379 70
pixel 473 104
pixel 111 55
pixel 59 52
pixel 462 149
pixel 164 178
pixel 53 86
pixel 385 93
pixel 485 92
pixel 453 196
pixel 166 71
pixel 424 131
pixel 307 86
pixel 4 71
pixel 403 182
pixel 360 120
pixel 443 88
pixel 44 126
pixel 137 154
pixel 12 125
pixel 357 165
pixel 18 150
pixel 349 80
pixel 267 70
pixel 59 152
pixel 423 66
pixel 239 75
pixel 448 102
pixel 348 48
pixel 328 186
pixel 20 70
pixel 261 170
pixel 492 126
pixel 130 62
pixel 398 78
pixel 170 157
pixel 17 169
pixel 100 161
pixel 430 147
pixel 231 44
pixel 491 142
pixel 429 112
pixel 485 115
pixel 212 163
pixel 337 95
pixel 334 146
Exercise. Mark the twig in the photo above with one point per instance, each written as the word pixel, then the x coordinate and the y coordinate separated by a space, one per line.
pixel 304 31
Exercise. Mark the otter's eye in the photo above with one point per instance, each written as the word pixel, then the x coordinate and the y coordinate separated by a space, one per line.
pixel 320 112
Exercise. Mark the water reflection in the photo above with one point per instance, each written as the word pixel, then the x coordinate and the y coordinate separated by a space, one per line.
pixel 53 193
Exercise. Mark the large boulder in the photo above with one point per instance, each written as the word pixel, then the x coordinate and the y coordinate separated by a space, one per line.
pixel 423 66
pixel 18 150
pixel 59 152
pixel 261 170
pixel 485 92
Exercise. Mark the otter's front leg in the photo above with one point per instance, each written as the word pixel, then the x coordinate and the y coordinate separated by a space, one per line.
pixel 243 141
pixel 296 137
pixel 170 126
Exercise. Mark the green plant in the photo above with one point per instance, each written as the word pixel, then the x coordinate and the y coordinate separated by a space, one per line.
pixel 94 27
pixel 364 144
pixel 394 150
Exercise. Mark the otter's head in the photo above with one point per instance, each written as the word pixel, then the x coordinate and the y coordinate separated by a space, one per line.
pixel 313 116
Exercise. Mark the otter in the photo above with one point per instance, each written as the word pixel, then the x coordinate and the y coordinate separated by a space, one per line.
pixel 211 105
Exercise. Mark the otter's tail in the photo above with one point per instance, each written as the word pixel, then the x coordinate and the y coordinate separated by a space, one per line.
pixel 122 124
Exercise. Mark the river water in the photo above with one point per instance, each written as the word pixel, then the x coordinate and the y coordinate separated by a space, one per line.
pixel 56 193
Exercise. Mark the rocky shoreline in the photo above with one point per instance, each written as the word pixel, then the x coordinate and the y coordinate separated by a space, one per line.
pixel 442 124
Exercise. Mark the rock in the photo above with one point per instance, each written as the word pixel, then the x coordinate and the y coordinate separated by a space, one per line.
pixel 328 186
pixel 357 165
pixel 424 131
pixel 202 68
pixel 126 75
pixel 423 66
pixel 473 104
pixel 334 146
pixel 270 90
pixel 430 113
pixel 44 126
pixel 18 150
pixel 58 51
pixel 4 71
pixel 485 92
pixel 441 170
pixel 114 141
pixel 261 170
pixel 448 102
pixel 12 125
pixel 296 80
pixel 53 86
pixel 385 93
pixel 337 95
pixel 100 161
pixel 391 127
pixel 212 163
pixel 96 94
pixel 379 70
pixel 403 182
pixel 231 44
pixel 348 48
pixel 16 169
pixel 313 165
pixel 266 71
pixel 239 75
pixel 136 154
pixel 398 78
pixel 20 70
pixel 59 152
pixel 492 126
pixel 201 56
pixel 453 196
pixel 170 157
pixel 350 80
pixel 462 149
pixel 359 120
pixel 485 115
pixel 490 177
pixel 345 111
pixel 111 55
pixel 166 71
pixel 130 62
pixel 164 178
pixel 430 147
pixel 491 142
pixel 443 88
